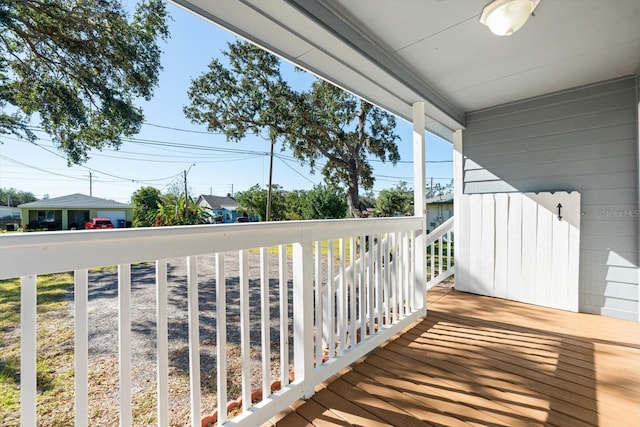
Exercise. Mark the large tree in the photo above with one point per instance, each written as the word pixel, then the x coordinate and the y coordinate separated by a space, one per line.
pixel 79 65
pixel 321 124
pixel 13 197
pixel 146 201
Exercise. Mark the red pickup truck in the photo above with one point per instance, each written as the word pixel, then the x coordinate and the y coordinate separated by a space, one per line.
pixel 98 223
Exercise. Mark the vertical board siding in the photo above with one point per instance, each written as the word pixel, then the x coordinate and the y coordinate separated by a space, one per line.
pixel 501 246
pixel 514 247
pixel 487 248
pixel 524 251
pixel 582 140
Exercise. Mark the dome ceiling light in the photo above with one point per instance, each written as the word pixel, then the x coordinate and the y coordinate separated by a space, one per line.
pixel 505 17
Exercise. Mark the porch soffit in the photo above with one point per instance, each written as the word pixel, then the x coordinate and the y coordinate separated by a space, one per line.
pixel 396 53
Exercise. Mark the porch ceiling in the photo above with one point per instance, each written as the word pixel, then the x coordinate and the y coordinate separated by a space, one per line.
pixel 396 53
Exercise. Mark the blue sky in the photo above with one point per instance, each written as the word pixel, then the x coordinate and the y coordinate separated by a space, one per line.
pixel 152 159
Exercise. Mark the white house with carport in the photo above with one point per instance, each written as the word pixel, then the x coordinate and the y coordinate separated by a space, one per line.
pixel 72 211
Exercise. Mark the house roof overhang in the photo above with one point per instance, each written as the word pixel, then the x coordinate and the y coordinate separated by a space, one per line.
pixel 394 54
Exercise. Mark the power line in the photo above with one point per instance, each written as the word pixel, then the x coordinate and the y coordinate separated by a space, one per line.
pixel 38 169
pixel 239 155
pixel 135 180
pixel 133 139
pixel 220 133
pixel 183 130
pixel 297 172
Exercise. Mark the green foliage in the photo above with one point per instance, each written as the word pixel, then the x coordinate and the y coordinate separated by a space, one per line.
pixel 321 202
pixel 254 202
pixel 172 211
pixel 249 96
pixel 145 200
pixel 294 205
pixel 155 209
pixel 324 202
pixel 395 201
pixel 79 65
pixel 13 197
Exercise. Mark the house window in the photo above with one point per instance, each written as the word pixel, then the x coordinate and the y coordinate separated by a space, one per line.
pixel 45 215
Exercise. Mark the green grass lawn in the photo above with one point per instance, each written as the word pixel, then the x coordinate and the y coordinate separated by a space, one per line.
pixel 324 249
pixel 55 350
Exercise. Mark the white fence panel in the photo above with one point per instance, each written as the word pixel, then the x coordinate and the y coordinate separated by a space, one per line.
pixel 514 285
pixel 520 247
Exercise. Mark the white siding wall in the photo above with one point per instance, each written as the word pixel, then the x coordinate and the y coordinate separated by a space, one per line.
pixel 581 140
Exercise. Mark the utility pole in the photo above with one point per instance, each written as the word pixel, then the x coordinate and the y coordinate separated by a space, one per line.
pixel 268 216
pixel 90 184
pixel 186 195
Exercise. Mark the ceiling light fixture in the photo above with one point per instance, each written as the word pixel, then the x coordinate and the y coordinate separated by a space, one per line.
pixel 505 17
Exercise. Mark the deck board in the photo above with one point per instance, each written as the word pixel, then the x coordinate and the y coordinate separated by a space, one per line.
pixel 486 361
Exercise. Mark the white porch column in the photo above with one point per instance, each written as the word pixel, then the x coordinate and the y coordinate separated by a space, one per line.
pixel 419 205
pixel 638 216
pixel 458 190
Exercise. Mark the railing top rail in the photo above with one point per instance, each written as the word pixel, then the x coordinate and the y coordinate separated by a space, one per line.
pixel 439 231
pixel 49 252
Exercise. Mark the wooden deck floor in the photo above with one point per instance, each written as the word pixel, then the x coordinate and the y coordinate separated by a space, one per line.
pixel 484 361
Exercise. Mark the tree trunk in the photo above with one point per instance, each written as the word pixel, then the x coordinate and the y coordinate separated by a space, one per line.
pixel 353 197
pixel 355 205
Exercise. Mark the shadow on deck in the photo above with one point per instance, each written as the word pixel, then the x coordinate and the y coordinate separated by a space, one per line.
pixel 485 361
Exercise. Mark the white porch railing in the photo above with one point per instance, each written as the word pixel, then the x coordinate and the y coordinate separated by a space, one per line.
pixel 334 322
pixel 440 247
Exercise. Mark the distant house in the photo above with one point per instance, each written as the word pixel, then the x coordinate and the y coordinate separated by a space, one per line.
pixel 224 209
pixel 72 211
pixel 439 209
